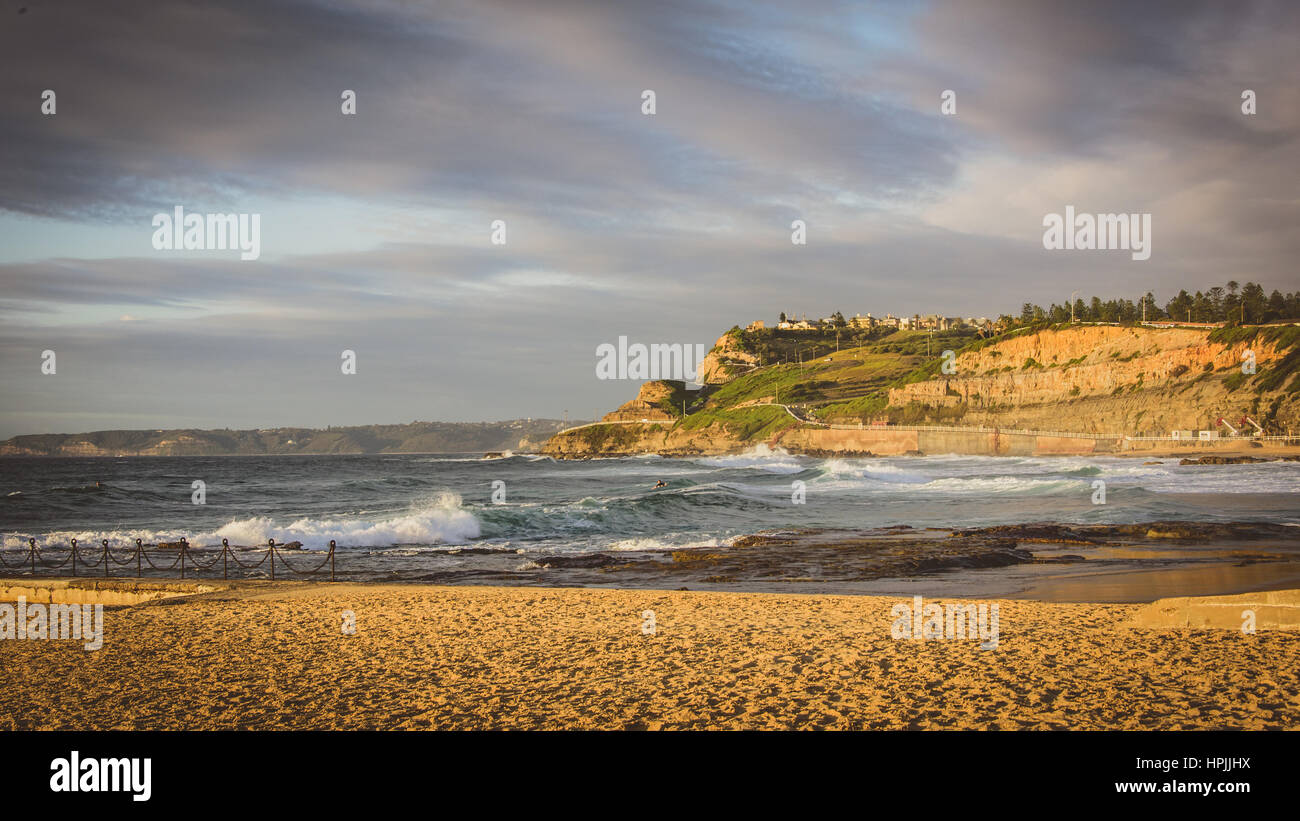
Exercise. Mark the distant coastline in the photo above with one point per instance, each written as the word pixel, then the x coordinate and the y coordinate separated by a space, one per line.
pixel 413 438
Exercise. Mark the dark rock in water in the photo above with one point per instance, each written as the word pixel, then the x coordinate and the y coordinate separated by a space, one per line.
pixel 1039 533
pixel 1223 460
pixel 494 454
pixel 289 546
pixel 585 560
pixel 914 453
pixel 1153 463
pixel 1199 531
pixel 1237 460
pixel 170 545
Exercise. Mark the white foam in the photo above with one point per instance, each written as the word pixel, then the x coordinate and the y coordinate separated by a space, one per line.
pixel 762 457
pixel 441 520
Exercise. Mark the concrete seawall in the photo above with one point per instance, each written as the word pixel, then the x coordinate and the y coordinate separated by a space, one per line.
pixel 108 592
pixel 1272 610
pixel 885 442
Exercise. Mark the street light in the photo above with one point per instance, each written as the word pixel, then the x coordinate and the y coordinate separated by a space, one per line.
pixel 1073 294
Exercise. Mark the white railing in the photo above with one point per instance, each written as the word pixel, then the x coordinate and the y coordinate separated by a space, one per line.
pixel 620 422
pixel 1008 431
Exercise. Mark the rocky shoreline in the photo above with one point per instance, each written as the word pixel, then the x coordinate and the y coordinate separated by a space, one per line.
pixel 800 559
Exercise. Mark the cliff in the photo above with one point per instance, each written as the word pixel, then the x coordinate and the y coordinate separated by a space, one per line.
pixel 726 359
pixel 1102 382
pixel 1109 379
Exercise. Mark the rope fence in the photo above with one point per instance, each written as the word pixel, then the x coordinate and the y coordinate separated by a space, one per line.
pixel 34 561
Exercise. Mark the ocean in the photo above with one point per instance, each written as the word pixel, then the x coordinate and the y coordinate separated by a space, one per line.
pixel 434 517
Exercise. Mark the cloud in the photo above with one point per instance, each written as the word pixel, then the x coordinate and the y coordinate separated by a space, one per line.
pixel 669 227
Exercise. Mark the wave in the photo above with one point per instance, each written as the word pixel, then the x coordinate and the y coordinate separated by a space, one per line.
pixel 441 520
pixel 761 457
pixel 673 542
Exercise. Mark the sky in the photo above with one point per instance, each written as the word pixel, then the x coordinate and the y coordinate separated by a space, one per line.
pixel 376 227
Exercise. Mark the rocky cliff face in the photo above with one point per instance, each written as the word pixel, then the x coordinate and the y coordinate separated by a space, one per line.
pixel 633 440
pixel 1103 379
pixel 725 358
pixel 649 403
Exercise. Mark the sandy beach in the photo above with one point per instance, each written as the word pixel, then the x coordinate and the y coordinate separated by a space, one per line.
pixel 274 656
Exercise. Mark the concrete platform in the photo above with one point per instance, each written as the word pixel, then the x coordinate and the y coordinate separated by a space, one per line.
pixel 108 592
pixel 1274 610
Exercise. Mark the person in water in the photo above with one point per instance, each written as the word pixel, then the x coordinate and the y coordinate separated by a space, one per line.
pixel 661 483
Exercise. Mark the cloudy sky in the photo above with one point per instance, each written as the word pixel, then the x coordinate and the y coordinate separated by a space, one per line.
pixel 669 227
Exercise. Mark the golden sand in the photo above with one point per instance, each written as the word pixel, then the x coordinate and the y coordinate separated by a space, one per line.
pixel 274 656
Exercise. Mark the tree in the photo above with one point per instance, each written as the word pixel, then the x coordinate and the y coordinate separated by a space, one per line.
pixel 1276 306
pixel 1254 305
pixel 1179 306
pixel 782 316
pixel 838 319
pixel 1202 308
pixel 1215 297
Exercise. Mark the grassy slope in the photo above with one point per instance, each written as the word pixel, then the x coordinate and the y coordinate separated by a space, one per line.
pixel 850 383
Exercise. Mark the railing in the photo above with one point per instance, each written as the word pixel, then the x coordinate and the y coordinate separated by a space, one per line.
pixel 1193 440
pixel 1002 431
pixel 619 422
pixel 33 560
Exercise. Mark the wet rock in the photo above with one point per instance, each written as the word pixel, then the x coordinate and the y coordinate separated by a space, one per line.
pixel 1034 533
pixel 1222 460
pixel 584 560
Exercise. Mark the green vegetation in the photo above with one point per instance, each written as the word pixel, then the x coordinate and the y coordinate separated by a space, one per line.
pixel 672 404
pixel 745 423
pixel 854 410
pixel 610 438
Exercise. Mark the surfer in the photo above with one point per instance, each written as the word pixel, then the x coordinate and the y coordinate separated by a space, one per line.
pixel 660 483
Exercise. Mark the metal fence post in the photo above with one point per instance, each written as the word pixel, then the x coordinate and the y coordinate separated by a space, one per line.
pixel 105 543
pixel 331 560
pixel 270 545
pixel 225 545
pixel 183 546
pixel 139 548
pixel 32 543
pixel 74 557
